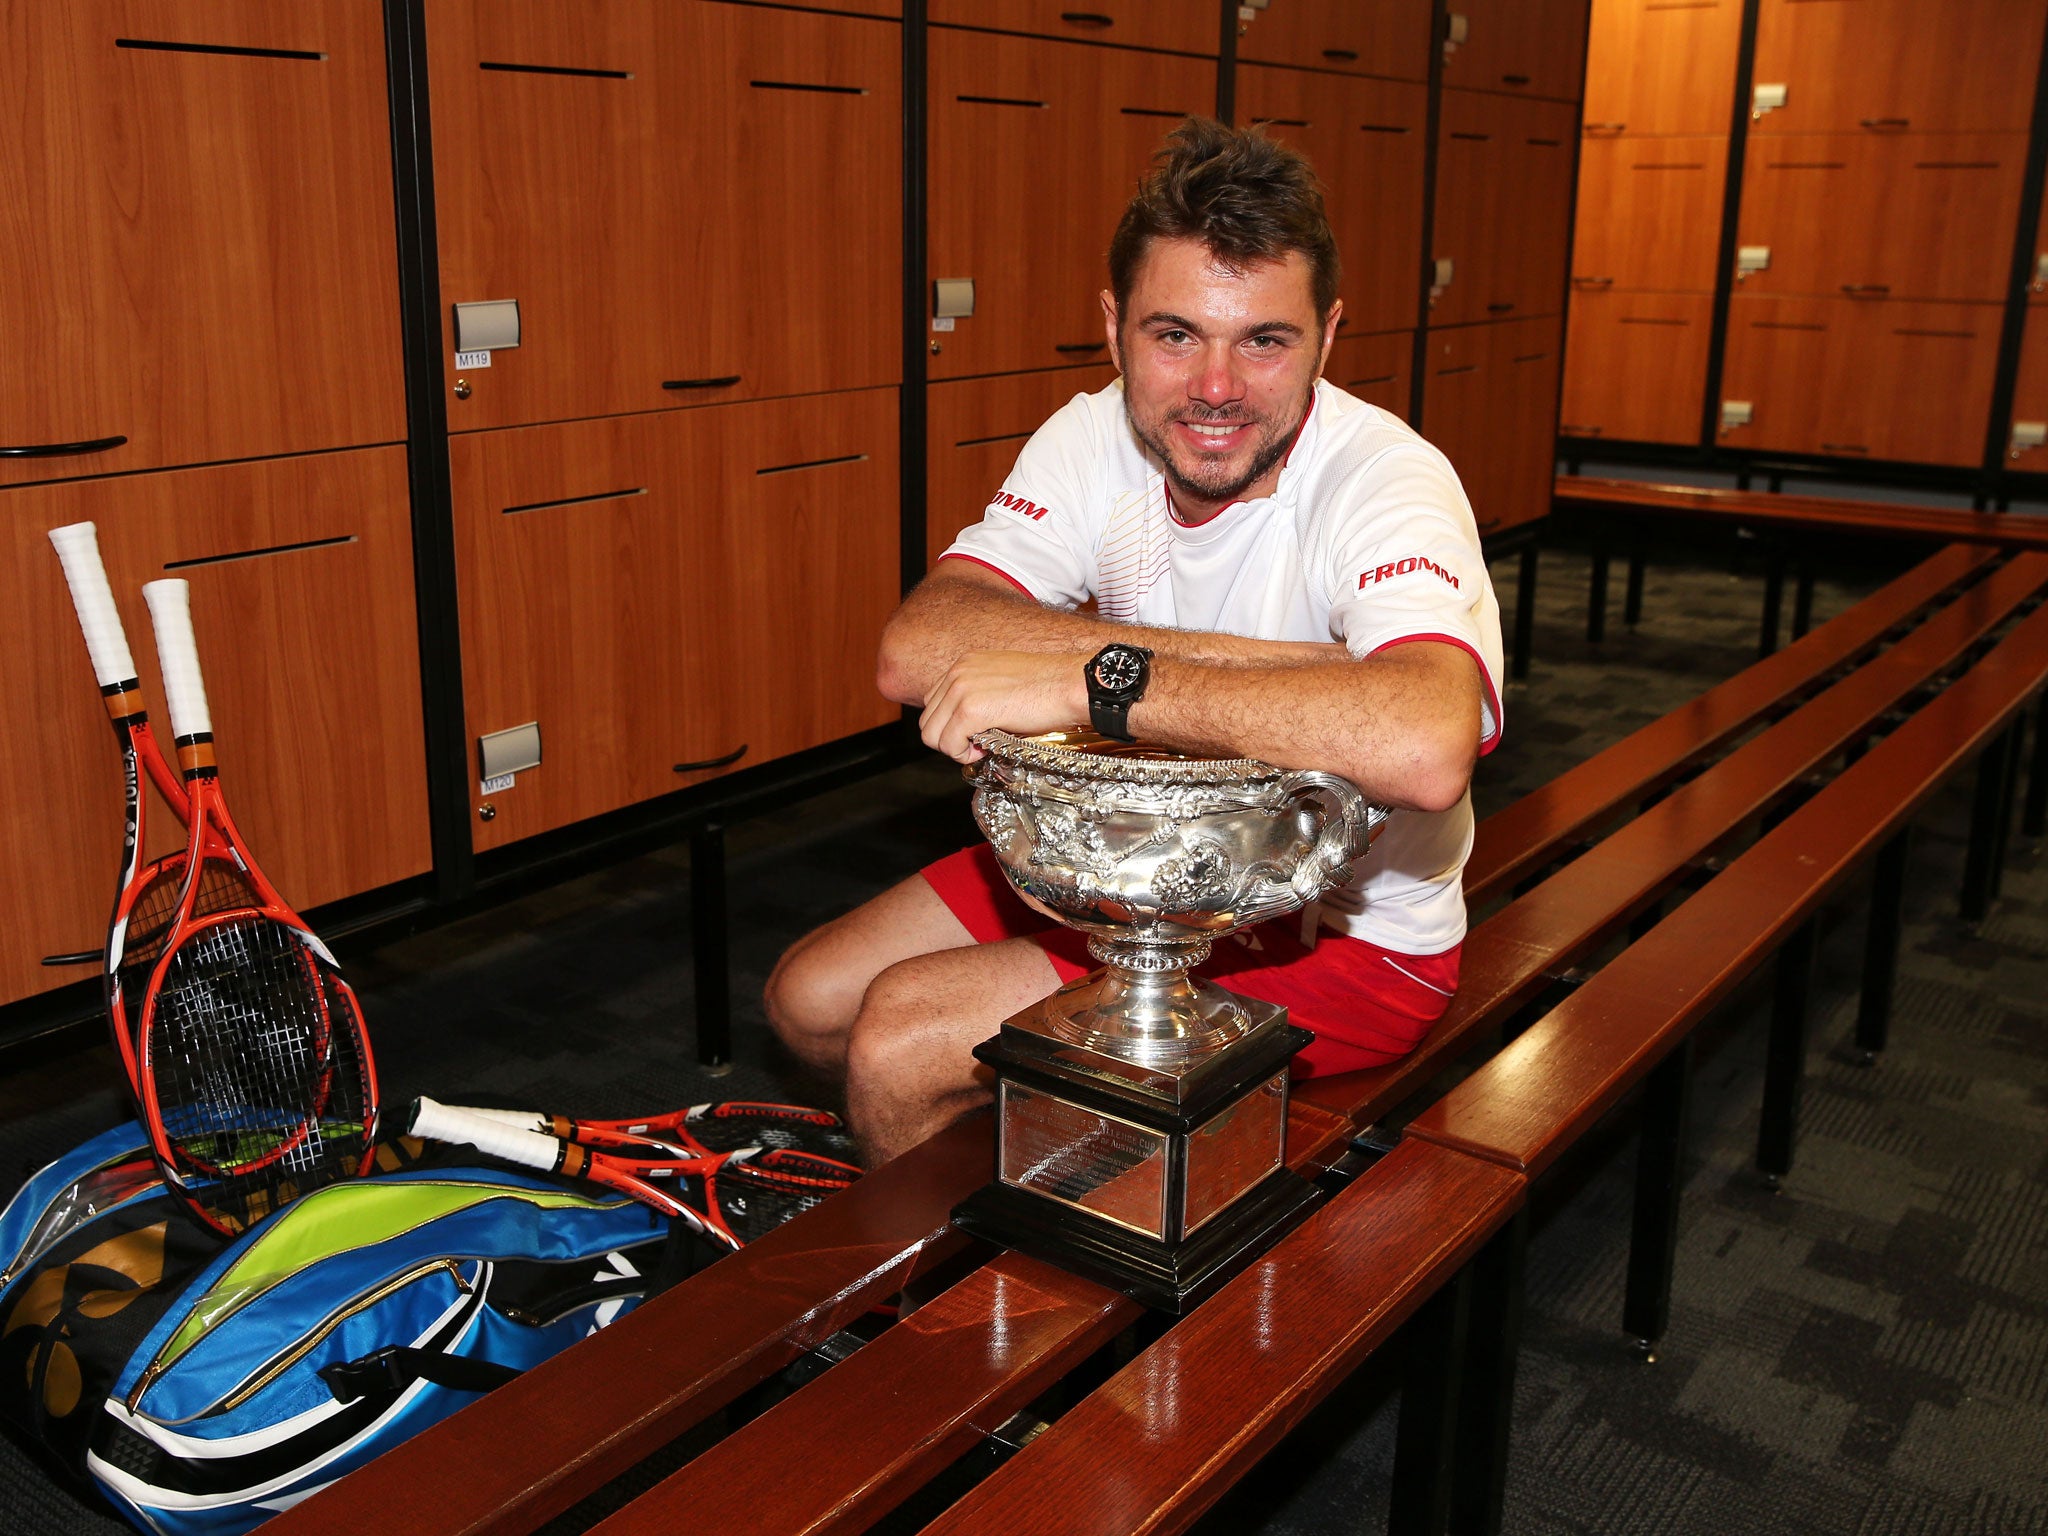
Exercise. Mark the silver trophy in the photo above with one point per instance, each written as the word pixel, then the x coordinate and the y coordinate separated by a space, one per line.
pixel 1141 1113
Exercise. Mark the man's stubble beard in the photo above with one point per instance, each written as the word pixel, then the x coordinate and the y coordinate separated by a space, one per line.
pixel 1270 452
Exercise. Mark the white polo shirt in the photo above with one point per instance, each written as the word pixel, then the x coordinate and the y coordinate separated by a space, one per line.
pixel 1367 539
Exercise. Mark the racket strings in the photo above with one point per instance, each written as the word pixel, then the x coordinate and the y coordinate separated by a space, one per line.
pixel 781 1127
pixel 221 889
pixel 753 1196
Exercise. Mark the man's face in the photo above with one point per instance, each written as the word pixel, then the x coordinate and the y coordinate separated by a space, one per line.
pixel 1218 366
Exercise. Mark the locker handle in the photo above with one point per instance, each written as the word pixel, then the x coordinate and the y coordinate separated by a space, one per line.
pixel 1079 346
pixel 714 762
pixel 59 450
pixel 720 383
pixel 1491 522
pixel 1603 127
pixel 1843 448
pixel 1514 79
pixel 1498 309
pixel 1087 19
pixel 1866 290
pixel 1887 122
pixel 1593 282
pixel 1342 55
pixel 1569 430
pixel 91 956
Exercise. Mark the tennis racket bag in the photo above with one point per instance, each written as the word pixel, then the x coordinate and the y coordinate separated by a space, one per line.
pixel 206 1383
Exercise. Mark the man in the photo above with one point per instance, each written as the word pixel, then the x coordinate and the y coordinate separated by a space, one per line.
pixel 1280 571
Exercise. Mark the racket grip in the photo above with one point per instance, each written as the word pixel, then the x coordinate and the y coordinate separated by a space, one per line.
pixel 438 1122
pixel 522 1119
pixel 78 548
pixel 170 612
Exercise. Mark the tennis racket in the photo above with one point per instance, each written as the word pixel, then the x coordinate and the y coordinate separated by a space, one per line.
pixel 729 1197
pixel 146 894
pixel 253 1069
pixel 707 1128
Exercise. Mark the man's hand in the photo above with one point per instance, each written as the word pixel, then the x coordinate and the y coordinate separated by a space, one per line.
pixel 1024 692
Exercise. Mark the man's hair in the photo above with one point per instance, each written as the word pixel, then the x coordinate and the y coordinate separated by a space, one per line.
pixel 1246 197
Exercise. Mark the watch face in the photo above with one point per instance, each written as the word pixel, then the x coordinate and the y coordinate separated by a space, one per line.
pixel 1117 670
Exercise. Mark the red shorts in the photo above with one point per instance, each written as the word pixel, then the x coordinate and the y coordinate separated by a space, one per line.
pixel 1367 1005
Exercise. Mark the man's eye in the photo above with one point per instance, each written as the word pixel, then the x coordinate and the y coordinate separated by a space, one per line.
pixel 1173 338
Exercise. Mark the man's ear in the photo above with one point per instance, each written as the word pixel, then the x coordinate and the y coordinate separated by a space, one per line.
pixel 1330 324
pixel 1109 329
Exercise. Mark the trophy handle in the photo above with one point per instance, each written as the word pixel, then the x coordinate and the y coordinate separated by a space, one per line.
pixel 1348 830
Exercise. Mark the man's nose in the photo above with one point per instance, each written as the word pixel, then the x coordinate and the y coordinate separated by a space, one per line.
pixel 1217 381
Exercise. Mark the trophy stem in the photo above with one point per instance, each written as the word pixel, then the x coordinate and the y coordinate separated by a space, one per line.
pixel 1144 1005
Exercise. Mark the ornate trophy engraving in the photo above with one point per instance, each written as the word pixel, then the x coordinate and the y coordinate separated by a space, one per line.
pixel 1141 1114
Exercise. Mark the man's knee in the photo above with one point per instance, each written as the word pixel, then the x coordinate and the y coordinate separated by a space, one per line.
pixel 810 1000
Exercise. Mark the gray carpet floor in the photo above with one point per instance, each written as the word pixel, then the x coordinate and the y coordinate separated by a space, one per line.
pixel 1862 1353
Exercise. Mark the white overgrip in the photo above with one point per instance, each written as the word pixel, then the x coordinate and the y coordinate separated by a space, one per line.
pixel 439 1122
pixel 78 548
pixel 170 612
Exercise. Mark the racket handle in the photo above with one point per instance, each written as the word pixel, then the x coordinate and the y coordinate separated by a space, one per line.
pixel 523 1119
pixel 529 1149
pixel 78 548
pixel 170 611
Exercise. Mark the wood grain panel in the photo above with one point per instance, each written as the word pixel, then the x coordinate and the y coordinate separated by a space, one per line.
pixel 645 180
pixel 1635 366
pixel 1878 379
pixel 1654 67
pixel 1490 403
pixel 1379 369
pixel 1899 64
pixel 666 588
pixel 196 248
pixel 1175 25
pixel 312 669
pixel 1649 213
pixel 1524 47
pixel 1919 216
pixel 2037 286
pixel 1035 149
pixel 2030 395
pixel 975 428
pixel 1503 206
pixel 1360 37
pixel 1367 140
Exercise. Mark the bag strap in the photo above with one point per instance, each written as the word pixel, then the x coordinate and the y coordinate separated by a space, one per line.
pixel 388 1372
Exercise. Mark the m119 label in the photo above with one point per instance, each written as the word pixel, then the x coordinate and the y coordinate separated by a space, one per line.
pixel 472 359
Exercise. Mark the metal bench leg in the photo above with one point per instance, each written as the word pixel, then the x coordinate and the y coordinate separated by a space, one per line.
pixel 1802 603
pixel 1632 602
pixel 1425 1445
pixel 1785 1060
pixel 1596 602
pixel 708 951
pixel 2035 823
pixel 1486 1399
pixel 1774 602
pixel 1881 946
pixel 1985 817
pixel 1660 1181
pixel 1525 613
pixel 2008 794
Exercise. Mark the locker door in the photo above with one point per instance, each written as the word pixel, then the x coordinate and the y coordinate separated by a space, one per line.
pixel 1503 206
pixel 1035 147
pixel 1923 216
pixel 1657 68
pixel 1378 369
pixel 1892 65
pixel 302 601
pixel 1361 37
pixel 1366 139
pixel 1635 366
pixel 197 259
pixel 1490 403
pixel 975 428
pixel 1527 47
pixel 2030 403
pixel 1175 25
pixel 1649 213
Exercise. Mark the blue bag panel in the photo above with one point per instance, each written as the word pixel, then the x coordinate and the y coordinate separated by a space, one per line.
pixel 39 1213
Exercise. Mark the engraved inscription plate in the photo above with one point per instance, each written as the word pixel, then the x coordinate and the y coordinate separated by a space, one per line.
pixel 1235 1149
pixel 1094 1162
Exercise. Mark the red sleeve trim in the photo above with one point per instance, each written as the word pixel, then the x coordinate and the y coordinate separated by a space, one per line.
pixel 1013 581
pixel 1485 677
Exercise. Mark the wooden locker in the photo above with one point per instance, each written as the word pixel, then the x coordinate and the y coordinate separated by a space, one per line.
pixel 694 587
pixel 1359 37
pixel 1912 216
pixel 1929 66
pixel 1175 25
pixel 1649 213
pixel 1367 140
pixel 198 261
pixel 1036 147
pixel 1526 47
pixel 974 430
pixel 1873 379
pixel 1490 403
pixel 1379 369
pixel 1635 366
pixel 302 601
pixel 2037 284
pixel 1503 206
pixel 2030 402
pixel 647 182
pixel 1654 67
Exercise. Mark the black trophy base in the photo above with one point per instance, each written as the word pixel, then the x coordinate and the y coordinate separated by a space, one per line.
pixel 1168 1278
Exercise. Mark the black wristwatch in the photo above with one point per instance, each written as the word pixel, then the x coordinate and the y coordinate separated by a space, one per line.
pixel 1117 675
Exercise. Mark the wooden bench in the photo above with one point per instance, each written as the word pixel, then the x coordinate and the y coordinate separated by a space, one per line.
pixel 1634 1019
